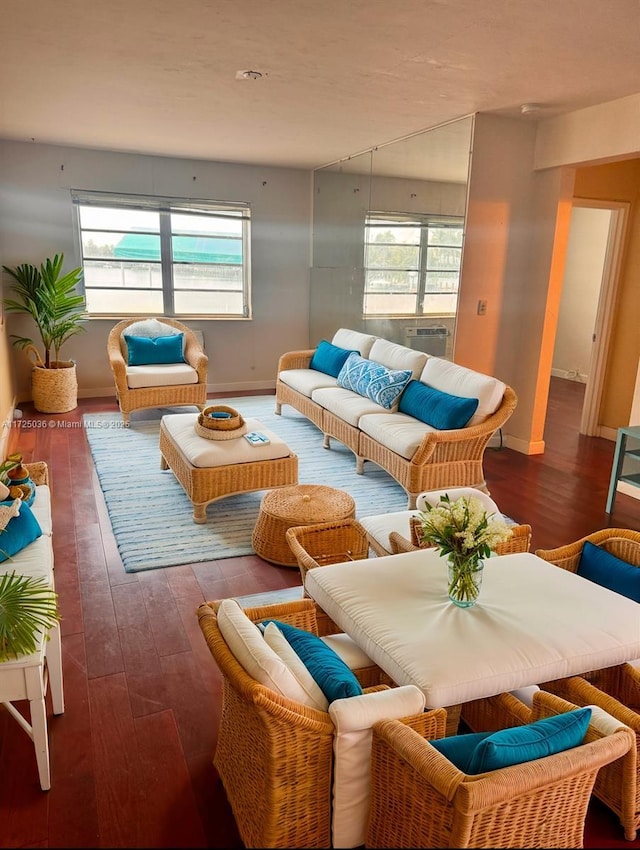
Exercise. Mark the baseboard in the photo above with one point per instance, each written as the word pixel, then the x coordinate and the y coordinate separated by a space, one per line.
pixel 570 375
pixel 525 447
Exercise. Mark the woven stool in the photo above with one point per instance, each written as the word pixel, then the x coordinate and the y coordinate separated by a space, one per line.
pixel 300 504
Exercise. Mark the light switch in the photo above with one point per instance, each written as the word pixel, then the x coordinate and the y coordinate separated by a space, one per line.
pixel 482 307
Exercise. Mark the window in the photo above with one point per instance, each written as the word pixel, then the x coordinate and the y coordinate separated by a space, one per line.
pixel 164 256
pixel 411 264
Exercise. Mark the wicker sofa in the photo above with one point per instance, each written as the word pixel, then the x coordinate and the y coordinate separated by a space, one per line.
pixel 419 456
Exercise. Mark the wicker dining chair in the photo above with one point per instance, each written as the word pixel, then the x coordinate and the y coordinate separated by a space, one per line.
pixel 520 540
pixel 420 799
pixel 132 398
pixel 617 691
pixel 624 543
pixel 327 543
pixel 273 754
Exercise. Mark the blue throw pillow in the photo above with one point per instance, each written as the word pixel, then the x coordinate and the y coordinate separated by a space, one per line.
pixel 373 380
pixel 459 748
pixel 329 358
pixel 18 532
pixel 605 569
pixel 533 741
pixel 151 351
pixel 441 410
pixel 332 675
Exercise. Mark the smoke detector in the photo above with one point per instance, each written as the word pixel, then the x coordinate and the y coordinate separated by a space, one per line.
pixel 248 75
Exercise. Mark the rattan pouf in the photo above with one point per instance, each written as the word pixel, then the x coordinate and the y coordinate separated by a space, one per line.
pixel 300 504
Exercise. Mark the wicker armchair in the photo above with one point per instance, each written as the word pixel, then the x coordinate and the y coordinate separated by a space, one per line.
pixel 420 799
pixel 624 543
pixel 327 543
pixel 138 398
pixel 617 691
pixel 274 755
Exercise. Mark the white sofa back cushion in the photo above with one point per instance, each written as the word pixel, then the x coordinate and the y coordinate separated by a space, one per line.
pixel 458 380
pixel 353 341
pixel 353 719
pixel 395 356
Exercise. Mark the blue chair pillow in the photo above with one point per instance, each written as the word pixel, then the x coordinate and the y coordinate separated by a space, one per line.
pixel 607 570
pixel 441 410
pixel 373 380
pixel 329 358
pixel 18 532
pixel 459 748
pixel 533 741
pixel 151 351
pixel 332 675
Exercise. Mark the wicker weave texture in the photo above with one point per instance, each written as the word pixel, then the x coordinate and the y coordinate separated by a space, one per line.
pixel 618 693
pixel 38 472
pixel 327 543
pixel 520 540
pixel 55 390
pixel 302 504
pixel 204 485
pixel 419 799
pixel 167 396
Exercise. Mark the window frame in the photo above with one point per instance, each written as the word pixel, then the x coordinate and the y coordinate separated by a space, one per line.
pixel 426 222
pixel 164 206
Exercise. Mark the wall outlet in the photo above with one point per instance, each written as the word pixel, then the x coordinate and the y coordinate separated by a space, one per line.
pixel 482 307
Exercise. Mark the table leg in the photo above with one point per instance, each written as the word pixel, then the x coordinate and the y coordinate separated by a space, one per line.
pixel 35 692
pixel 54 665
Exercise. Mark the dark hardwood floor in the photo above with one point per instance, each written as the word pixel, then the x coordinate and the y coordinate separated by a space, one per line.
pixel 131 756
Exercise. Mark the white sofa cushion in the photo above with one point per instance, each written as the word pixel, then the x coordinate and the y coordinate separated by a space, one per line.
pixel 396 431
pixel 160 375
pixel 281 646
pixel 345 404
pixel 395 356
pixel 41 508
pixel 458 380
pixel 35 560
pixel 353 719
pixel 254 654
pixel 305 381
pixel 354 341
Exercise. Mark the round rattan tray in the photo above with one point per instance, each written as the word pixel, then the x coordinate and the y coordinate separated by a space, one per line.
pixel 229 428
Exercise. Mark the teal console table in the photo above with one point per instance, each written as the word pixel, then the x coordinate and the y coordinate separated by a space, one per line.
pixel 627 449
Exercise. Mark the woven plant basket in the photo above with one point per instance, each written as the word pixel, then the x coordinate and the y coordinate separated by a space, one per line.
pixel 55 390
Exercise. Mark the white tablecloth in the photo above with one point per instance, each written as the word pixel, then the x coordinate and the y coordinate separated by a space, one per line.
pixel 533 622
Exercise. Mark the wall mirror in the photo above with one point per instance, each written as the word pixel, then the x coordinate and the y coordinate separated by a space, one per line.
pixel 387 239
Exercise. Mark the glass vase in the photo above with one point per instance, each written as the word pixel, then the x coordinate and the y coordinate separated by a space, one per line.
pixel 465 579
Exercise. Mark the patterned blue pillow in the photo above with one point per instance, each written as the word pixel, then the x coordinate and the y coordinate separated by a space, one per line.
pixel 373 380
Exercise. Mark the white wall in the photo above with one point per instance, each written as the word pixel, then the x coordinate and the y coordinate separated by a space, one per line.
pixel 37 221
pixel 584 265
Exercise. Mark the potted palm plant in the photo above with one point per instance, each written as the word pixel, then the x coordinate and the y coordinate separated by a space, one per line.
pixel 51 299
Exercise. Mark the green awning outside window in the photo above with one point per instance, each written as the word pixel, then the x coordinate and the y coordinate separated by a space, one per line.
pixel 186 249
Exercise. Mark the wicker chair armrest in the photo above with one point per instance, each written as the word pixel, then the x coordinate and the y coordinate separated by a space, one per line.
pixel 196 358
pixel 398 543
pixel 623 542
pixel 295 360
pixel 578 690
pixel 502 711
pixel 429 724
pixel 546 704
pixel 38 472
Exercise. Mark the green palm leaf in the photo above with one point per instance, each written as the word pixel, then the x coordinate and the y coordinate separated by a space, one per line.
pixel 28 606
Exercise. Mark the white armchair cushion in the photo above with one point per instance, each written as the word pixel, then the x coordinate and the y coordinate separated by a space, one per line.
pixel 281 646
pixel 348 650
pixel 432 497
pixel 160 375
pixel 353 719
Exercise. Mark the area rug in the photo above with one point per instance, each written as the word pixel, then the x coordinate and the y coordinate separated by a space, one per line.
pixel 151 515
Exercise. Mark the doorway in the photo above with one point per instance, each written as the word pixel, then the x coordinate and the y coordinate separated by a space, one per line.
pixel 587 305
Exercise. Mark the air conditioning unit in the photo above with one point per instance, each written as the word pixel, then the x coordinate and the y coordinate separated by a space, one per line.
pixel 431 339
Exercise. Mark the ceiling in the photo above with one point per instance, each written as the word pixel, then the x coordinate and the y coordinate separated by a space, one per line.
pixel 338 76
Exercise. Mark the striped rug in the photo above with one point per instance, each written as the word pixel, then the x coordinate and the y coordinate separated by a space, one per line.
pixel 151 515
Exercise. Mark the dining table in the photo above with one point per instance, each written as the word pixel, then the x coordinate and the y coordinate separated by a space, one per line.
pixel 533 622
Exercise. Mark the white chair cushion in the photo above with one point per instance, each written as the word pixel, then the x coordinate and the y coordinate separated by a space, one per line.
pixel 205 453
pixel 281 646
pixel 396 431
pixel 458 380
pixel 160 375
pixel 354 341
pixel 395 356
pixel 252 652
pixel 348 650
pixel 305 381
pixel 345 404
pixel 380 526
pixel 432 497
pixel 353 719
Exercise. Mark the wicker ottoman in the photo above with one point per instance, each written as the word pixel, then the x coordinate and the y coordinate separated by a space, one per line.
pixel 212 469
pixel 302 504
